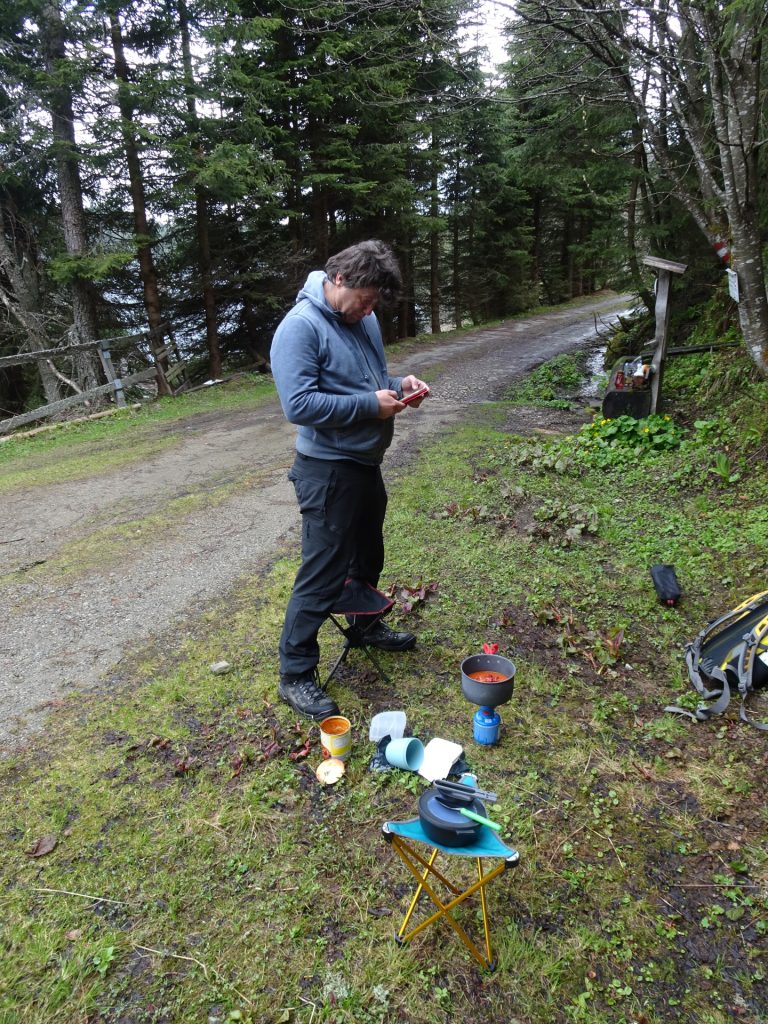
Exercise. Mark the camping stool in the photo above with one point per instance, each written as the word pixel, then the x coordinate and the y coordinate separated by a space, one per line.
pixel 487 846
pixel 368 605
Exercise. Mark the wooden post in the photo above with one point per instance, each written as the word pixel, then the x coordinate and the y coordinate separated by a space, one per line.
pixel 665 270
pixel 109 372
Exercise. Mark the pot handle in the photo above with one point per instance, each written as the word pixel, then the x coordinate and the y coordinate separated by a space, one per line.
pixel 480 819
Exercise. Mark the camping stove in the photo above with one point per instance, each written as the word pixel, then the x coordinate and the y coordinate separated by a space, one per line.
pixel 488 681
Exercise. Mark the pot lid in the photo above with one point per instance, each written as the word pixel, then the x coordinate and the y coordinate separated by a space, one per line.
pixel 438 814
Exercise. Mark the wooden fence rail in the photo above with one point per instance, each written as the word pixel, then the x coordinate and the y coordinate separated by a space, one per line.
pixel 67 403
pixel 169 370
pixel 23 358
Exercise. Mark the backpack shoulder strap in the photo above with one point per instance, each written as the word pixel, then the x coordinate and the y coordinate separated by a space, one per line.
pixel 750 651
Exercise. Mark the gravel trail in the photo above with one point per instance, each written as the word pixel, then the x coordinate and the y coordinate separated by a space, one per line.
pixel 65 629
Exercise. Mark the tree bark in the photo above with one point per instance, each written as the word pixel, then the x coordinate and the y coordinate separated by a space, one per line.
pixel 434 244
pixel 458 290
pixel 22 299
pixel 536 219
pixel 70 189
pixel 201 205
pixel 147 269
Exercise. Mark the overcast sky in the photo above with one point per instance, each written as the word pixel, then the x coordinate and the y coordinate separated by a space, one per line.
pixel 494 15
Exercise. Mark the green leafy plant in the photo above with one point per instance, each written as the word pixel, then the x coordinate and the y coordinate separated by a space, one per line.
pixel 103 959
pixel 563 523
pixel 722 469
pixel 620 439
pixel 547 384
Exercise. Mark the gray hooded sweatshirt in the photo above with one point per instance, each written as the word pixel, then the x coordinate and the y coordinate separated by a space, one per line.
pixel 327 373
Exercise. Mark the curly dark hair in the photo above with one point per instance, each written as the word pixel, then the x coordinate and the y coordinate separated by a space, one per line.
pixel 370 264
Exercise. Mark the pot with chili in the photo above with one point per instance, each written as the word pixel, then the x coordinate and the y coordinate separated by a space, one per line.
pixel 487 679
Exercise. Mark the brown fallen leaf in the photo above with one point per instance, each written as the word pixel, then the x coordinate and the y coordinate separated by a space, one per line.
pixel 43 845
pixel 302 752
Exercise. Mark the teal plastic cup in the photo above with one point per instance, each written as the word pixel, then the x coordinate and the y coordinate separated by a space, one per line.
pixel 406 752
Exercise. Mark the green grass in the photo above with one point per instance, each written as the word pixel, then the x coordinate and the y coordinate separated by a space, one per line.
pixel 201 874
pixel 74 451
pixel 553 383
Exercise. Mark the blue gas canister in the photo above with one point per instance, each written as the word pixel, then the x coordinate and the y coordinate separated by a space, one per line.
pixel 485 726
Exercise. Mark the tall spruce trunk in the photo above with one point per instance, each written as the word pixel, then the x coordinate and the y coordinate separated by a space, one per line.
pixel 202 213
pixel 434 247
pixel 70 188
pixel 22 300
pixel 458 291
pixel 536 222
pixel 147 270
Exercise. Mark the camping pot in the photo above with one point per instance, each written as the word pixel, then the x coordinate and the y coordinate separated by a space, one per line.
pixel 446 825
pixel 488 695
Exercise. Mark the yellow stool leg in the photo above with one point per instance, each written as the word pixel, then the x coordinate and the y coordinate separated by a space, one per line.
pixel 410 857
pixel 486 925
pixel 416 895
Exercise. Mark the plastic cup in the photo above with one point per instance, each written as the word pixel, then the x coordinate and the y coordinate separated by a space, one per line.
pixel 336 736
pixel 407 752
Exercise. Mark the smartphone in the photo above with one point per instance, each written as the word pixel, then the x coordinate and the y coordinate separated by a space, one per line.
pixel 414 395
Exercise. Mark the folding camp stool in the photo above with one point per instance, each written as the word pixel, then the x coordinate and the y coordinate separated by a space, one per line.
pixel 402 835
pixel 367 605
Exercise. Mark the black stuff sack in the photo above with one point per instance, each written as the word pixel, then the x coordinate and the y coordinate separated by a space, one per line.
pixel 730 653
pixel 665 582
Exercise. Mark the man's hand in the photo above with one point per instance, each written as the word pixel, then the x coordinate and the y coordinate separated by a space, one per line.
pixel 412 383
pixel 389 404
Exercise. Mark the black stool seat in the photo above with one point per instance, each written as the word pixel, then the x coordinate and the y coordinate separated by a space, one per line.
pixel 366 605
pixel 360 598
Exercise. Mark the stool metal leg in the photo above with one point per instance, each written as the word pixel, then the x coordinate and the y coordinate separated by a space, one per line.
pixel 375 662
pixel 428 865
pixel 410 858
pixel 341 658
pixel 354 638
pixel 486 925
pixel 416 895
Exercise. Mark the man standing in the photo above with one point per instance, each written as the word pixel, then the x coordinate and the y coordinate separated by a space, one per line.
pixel 331 374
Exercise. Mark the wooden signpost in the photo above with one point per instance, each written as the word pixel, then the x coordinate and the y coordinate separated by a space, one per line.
pixel 665 269
pixel 626 397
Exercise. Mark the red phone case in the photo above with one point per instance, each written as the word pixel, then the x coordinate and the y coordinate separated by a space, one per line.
pixel 416 394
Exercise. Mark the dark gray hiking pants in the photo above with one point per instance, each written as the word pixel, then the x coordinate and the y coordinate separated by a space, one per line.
pixel 342 505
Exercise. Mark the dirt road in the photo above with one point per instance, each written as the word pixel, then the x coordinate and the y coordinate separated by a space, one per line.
pixel 65 626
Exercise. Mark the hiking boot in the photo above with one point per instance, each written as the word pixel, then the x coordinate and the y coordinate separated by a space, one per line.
pixel 305 696
pixel 386 639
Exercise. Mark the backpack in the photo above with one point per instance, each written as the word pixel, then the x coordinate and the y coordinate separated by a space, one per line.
pixel 732 651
